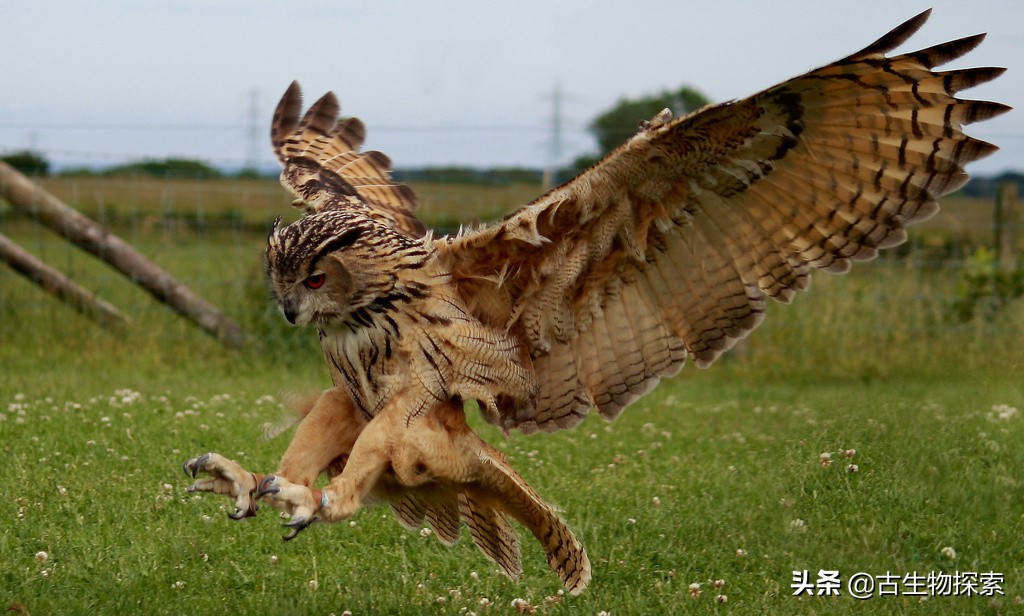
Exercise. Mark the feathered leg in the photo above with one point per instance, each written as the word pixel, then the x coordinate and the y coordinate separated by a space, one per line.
pixel 430 466
pixel 323 438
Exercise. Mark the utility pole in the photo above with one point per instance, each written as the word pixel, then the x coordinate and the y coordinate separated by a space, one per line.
pixel 555 152
pixel 252 147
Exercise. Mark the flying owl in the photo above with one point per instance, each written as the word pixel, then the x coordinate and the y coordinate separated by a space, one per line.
pixel 584 299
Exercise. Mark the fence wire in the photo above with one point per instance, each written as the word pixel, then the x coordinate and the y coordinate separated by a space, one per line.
pixel 947 280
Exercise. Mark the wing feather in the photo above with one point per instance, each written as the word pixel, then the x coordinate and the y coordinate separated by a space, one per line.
pixel 668 246
pixel 324 168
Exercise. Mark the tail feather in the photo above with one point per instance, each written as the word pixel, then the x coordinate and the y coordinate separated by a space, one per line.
pixel 492 533
pixel 443 516
pixel 512 495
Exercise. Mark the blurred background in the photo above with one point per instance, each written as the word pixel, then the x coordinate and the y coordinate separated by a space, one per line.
pixel 153 118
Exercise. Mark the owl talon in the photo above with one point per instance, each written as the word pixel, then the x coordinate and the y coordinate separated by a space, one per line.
pixel 225 477
pixel 240 514
pixel 193 466
pixel 267 486
pixel 297 501
pixel 298 525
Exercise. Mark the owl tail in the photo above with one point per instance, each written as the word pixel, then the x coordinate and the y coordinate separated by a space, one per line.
pixel 441 508
pixel 492 533
pixel 501 489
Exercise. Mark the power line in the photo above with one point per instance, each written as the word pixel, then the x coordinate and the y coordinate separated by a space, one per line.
pixel 246 127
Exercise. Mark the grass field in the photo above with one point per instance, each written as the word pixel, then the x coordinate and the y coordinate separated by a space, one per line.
pixel 717 475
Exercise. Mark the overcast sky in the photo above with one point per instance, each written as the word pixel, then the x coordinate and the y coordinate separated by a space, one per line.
pixel 441 82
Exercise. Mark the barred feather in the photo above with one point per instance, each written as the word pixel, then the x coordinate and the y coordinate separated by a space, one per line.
pixel 587 297
pixel 325 169
pixel 669 246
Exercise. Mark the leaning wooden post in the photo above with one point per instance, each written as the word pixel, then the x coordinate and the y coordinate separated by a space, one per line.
pixel 29 197
pixel 56 283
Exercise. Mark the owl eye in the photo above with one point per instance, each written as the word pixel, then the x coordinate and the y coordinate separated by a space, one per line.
pixel 315 281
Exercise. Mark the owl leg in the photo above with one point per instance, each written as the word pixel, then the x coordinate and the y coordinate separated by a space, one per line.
pixel 323 439
pixel 368 460
pixel 438 453
pixel 321 442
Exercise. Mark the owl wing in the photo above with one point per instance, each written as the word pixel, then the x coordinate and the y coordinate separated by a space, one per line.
pixel 669 245
pixel 324 168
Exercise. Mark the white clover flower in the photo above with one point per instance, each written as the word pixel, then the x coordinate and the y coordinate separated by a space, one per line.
pixel 694 589
pixel 721 598
pixel 425 532
pixel 949 552
pixel 1002 412
pixel 41 556
pixel 825 459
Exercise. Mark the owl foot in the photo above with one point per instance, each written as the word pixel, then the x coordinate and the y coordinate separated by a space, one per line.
pixel 226 477
pixel 301 503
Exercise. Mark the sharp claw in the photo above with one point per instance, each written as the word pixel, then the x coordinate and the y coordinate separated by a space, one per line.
pixel 241 514
pixel 297 525
pixel 191 470
pixel 263 489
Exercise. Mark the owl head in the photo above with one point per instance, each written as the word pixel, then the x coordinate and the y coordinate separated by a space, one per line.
pixel 321 268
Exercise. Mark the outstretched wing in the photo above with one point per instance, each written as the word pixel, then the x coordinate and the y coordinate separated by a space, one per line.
pixel 324 168
pixel 668 246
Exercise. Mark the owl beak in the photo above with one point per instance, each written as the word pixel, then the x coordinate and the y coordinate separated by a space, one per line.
pixel 289 311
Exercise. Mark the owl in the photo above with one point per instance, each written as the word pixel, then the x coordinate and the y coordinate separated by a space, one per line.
pixel 582 300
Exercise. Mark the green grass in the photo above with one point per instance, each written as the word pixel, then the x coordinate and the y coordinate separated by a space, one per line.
pixel 94 481
pixel 94 425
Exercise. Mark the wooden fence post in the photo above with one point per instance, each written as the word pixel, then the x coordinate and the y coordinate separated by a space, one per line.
pixel 25 195
pixel 56 283
pixel 1006 225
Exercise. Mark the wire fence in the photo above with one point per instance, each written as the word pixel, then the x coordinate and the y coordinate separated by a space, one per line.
pixel 959 272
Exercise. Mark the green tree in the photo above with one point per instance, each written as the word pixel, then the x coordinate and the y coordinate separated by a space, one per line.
pixel 168 168
pixel 28 162
pixel 621 122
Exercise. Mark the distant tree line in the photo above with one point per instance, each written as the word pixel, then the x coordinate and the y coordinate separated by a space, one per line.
pixel 988 186
pixel 469 175
pixel 610 129
pixel 30 163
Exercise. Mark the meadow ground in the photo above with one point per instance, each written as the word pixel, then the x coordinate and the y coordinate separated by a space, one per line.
pixel 860 430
